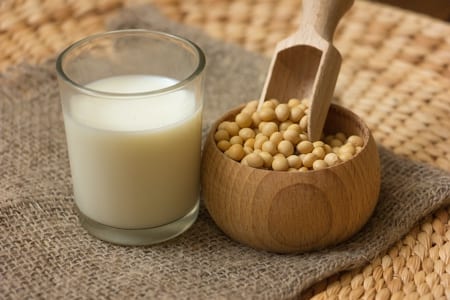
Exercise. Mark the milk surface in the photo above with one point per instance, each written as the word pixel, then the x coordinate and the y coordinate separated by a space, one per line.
pixel 135 162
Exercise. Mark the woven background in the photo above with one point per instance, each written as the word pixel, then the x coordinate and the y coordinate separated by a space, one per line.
pixel 395 75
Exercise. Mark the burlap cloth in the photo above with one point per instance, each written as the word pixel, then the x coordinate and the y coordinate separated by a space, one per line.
pixel 44 253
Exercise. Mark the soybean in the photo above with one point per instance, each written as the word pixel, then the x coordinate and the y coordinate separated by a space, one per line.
pixel 275 138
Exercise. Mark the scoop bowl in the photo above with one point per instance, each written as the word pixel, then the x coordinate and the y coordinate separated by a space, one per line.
pixel 293 212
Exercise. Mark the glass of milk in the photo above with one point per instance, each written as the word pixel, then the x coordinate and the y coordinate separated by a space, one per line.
pixel 132 102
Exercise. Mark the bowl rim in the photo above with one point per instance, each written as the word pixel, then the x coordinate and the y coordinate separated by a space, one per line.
pixel 339 109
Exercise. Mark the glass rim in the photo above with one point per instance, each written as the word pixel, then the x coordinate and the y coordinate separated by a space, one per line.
pixel 179 85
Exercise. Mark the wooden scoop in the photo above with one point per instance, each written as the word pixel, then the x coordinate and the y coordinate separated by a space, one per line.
pixel 306 64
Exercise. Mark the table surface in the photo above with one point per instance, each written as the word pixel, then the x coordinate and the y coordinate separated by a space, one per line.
pixel 395 75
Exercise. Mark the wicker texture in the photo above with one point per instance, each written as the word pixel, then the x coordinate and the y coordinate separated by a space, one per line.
pixel 395 63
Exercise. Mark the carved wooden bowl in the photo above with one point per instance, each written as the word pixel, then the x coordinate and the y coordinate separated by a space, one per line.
pixel 289 212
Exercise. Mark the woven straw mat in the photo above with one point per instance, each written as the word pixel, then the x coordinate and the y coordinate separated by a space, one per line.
pixel 396 63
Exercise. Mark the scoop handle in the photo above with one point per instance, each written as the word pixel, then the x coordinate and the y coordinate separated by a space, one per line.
pixel 324 15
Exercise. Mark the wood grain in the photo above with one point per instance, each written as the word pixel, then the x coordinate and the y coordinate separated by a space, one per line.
pixel 306 64
pixel 289 212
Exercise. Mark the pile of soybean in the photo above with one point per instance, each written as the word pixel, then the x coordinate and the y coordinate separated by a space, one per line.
pixel 275 138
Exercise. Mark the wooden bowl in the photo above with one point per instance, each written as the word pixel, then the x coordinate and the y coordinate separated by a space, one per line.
pixel 289 212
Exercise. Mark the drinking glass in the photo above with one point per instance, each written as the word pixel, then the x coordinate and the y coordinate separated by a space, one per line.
pixel 132 103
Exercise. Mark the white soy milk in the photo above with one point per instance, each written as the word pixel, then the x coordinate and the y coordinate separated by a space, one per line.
pixel 135 162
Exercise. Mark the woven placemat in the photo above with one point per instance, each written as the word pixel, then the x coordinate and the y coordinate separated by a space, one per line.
pixel 397 70
pixel 37 214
